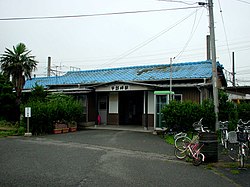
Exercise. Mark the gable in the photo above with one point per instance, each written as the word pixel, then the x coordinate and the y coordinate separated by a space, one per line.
pixel 117 86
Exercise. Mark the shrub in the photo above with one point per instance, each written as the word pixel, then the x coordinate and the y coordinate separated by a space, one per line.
pixel 21 131
pixel 243 110
pixel 180 116
pixel 56 107
pixel 208 114
pixel 7 100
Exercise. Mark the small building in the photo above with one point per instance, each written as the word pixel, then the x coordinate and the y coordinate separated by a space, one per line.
pixel 134 95
pixel 238 94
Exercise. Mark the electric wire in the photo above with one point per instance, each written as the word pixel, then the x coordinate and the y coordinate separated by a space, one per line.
pixel 94 15
pixel 158 53
pixel 173 1
pixel 242 1
pixel 149 40
pixel 224 28
pixel 193 30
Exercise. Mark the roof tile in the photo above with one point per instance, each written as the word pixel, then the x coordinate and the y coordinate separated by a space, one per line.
pixel 202 69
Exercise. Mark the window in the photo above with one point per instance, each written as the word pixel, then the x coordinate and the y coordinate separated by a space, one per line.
pixel 178 97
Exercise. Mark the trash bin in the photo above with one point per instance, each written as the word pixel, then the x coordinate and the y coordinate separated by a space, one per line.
pixel 210 148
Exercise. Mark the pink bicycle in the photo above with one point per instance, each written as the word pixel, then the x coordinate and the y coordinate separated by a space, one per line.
pixel 184 146
pixel 192 150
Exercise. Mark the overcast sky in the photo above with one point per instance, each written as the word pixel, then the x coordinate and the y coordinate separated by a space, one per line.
pixel 127 39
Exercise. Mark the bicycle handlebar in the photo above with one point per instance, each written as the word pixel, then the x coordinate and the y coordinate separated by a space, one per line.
pixel 223 124
pixel 241 122
pixel 180 134
pixel 198 126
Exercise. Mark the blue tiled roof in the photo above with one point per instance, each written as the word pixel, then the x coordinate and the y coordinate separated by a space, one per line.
pixel 189 70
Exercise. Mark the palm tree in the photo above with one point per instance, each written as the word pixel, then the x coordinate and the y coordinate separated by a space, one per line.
pixel 18 64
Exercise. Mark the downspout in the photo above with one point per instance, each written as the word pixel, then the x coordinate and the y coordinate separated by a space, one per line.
pixel 146 110
pixel 198 87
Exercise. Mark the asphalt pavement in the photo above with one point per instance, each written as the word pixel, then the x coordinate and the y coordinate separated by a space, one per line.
pixel 105 158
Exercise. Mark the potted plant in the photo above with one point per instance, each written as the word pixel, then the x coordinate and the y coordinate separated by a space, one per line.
pixel 72 126
pixel 60 127
pixel 65 130
pixel 57 131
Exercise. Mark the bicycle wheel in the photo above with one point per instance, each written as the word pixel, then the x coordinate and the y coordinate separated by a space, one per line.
pixel 182 142
pixel 246 153
pixel 233 151
pixel 222 137
pixel 197 161
pixel 241 155
pixel 180 154
pixel 242 160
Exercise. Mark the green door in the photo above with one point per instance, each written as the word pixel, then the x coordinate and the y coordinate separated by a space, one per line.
pixel 161 99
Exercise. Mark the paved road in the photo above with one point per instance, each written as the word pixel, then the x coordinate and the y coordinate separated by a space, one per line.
pixel 98 158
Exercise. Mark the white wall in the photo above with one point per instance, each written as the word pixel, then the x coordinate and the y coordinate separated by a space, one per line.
pixel 151 107
pixel 113 102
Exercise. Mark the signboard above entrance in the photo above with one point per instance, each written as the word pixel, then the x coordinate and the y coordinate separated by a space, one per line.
pixel 119 87
pixel 163 92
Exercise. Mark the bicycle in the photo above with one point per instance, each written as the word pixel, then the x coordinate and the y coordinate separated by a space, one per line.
pixel 224 133
pixel 232 146
pixel 242 137
pixel 181 139
pixel 237 142
pixel 184 146
pixel 192 150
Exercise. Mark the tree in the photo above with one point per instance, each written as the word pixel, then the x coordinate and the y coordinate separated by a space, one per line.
pixel 7 100
pixel 19 65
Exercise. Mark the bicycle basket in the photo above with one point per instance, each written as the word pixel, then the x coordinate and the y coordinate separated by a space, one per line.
pixel 242 137
pixel 232 137
pixel 197 126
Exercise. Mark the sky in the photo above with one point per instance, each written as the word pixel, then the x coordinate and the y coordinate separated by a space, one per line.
pixel 97 34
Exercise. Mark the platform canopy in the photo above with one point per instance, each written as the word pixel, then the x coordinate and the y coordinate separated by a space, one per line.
pixel 163 92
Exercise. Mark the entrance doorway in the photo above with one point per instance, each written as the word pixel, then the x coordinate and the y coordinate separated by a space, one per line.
pixel 130 108
pixel 161 99
pixel 102 108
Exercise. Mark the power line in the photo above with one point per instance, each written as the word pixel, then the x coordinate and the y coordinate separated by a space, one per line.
pixel 92 15
pixel 224 28
pixel 173 1
pixel 242 67
pixel 243 1
pixel 191 35
pixel 149 40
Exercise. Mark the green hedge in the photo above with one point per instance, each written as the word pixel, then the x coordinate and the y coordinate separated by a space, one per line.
pixel 56 107
pixel 243 110
pixel 180 116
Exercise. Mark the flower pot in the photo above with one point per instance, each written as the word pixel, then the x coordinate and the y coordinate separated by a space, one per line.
pixel 72 129
pixel 57 131
pixel 65 130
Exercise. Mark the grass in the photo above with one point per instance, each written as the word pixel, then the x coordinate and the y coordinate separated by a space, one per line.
pixel 209 166
pixel 169 138
pixel 7 129
pixel 7 133
pixel 235 172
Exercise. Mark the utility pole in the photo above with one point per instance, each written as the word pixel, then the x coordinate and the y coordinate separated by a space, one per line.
pixel 214 66
pixel 49 66
pixel 208 48
pixel 233 70
pixel 171 79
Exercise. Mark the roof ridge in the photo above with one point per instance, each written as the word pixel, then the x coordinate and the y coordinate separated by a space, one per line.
pixel 140 66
